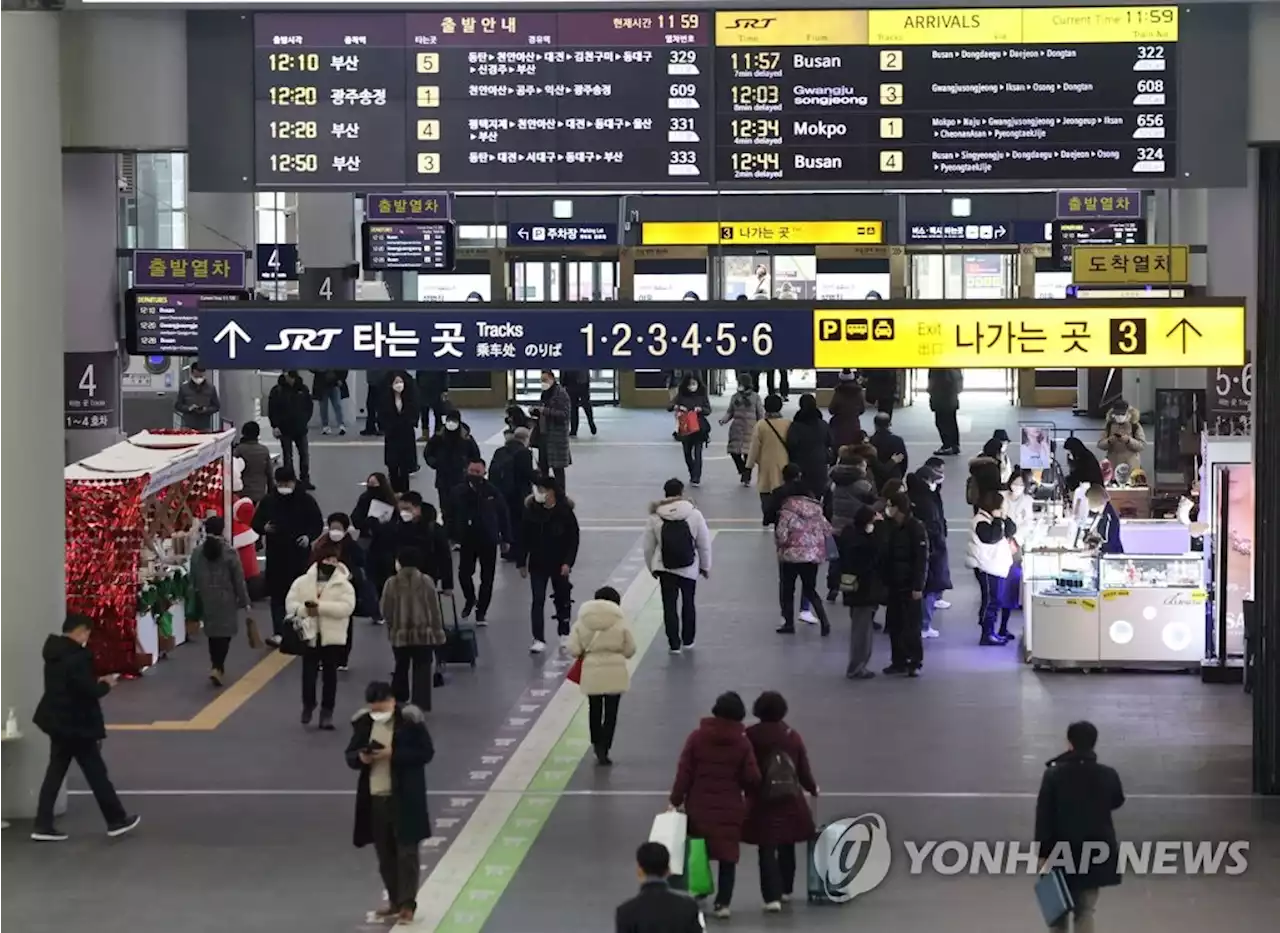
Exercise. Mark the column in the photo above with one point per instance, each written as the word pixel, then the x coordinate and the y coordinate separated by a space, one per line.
pixel 31 494
pixel 226 221
pixel 90 200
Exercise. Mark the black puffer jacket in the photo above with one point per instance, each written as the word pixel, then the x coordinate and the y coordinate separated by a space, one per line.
pixel 289 407
pixel 809 447
pixel 850 491
pixel 904 555
pixel 449 453
pixel 548 537
pixel 924 506
pixel 70 707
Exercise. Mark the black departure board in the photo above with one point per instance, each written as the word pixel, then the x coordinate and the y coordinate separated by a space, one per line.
pixel 688 98
pixel 409 246
pixel 466 98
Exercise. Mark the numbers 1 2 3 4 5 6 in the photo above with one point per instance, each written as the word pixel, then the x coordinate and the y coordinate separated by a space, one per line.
pixel 657 338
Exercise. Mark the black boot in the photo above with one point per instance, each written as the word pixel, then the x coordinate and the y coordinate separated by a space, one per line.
pixel 326 720
pixel 602 756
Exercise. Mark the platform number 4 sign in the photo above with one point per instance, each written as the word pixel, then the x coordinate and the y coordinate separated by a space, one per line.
pixel 91 382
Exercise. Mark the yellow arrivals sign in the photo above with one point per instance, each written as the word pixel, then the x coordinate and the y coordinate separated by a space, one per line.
pixel 1031 335
pixel 1131 265
pixel 763 233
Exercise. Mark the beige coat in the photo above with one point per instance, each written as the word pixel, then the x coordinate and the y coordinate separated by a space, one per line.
pixel 603 639
pixel 336 600
pixel 1123 443
pixel 769 453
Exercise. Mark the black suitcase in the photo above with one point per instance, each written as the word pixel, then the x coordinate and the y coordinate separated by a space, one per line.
pixel 460 646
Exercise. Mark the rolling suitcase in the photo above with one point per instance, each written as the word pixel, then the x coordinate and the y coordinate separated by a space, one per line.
pixel 460 646
pixel 818 892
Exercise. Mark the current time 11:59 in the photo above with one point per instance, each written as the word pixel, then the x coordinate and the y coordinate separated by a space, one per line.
pixel 657 338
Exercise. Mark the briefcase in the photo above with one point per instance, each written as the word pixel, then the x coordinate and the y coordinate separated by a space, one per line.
pixel 1054 896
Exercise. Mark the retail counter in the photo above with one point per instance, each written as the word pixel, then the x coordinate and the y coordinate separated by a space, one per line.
pixel 1085 610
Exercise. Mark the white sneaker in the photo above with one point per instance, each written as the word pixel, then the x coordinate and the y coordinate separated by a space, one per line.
pixel 942 604
pixel 773 907
pixel 675 651
pixel 786 898
pixel 806 615
pixel 325 430
pixel 537 647
pixel 342 430
pixel 930 632
pixel 721 913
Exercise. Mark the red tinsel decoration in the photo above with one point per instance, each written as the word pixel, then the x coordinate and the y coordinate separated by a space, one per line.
pixel 105 523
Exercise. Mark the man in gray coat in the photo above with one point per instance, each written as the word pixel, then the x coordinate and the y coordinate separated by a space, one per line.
pixel 197 400
pixel 553 427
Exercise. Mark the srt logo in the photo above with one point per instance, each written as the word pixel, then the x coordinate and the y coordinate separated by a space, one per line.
pixel 304 338
pixel 753 22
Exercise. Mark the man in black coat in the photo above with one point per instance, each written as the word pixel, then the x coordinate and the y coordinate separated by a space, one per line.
pixel 478 522
pixel 945 386
pixel 70 713
pixel 548 549
pixel 391 748
pixel 922 488
pixel 448 453
pixel 657 908
pixel 289 410
pixel 905 564
pixel 1073 813
pixel 290 520
pixel 577 382
pixel 891 449
pixel 413 526
pixel 511 471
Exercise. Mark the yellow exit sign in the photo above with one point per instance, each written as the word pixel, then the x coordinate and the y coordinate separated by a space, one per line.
pixel 763 233
pixel 1021 335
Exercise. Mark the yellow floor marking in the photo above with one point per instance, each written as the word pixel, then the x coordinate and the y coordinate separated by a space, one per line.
pixel 226 703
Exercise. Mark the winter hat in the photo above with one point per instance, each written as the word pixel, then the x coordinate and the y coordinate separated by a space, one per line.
pixel 929 474
pixel 846 375
pixel 1001 435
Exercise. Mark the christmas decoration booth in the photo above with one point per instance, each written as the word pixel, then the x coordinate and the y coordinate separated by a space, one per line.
pixel 133 515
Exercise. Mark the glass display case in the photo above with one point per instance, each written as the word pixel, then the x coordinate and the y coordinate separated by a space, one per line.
pixel 1060 605
pixel 1060 572
pixel 1152 610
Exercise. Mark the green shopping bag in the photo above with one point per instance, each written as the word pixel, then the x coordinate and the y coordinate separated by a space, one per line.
pixel 697 869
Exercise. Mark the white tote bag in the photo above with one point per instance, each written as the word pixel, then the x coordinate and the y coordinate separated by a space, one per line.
pixel 670 829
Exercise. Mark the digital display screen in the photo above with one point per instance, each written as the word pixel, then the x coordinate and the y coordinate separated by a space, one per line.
pixel 167 323
pixel 1068 234
pixel 409 247
pixel 697 98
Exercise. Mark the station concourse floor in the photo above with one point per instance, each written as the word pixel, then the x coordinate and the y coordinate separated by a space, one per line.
pixel 247 816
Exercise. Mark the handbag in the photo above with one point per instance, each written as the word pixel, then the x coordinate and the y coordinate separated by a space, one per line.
pixel 698 869
pixel 574 674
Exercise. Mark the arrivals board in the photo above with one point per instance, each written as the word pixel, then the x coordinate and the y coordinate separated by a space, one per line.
pixel 688 98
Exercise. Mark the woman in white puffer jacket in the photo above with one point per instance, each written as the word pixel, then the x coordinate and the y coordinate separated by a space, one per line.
pixel 990 555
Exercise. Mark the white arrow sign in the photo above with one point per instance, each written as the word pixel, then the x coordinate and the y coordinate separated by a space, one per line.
pixel 522 233
pixel 230 334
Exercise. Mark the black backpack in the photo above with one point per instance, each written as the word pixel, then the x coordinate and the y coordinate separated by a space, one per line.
pixel 678 549
pixel 502 471
pixel 780 778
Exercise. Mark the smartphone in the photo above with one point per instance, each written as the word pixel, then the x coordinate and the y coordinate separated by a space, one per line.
pixel 374 746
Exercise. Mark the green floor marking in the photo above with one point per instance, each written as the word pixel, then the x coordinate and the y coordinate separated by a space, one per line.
pixel 478 898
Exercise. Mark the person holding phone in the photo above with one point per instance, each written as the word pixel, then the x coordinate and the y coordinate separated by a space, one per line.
pixel 70 713
pixel 391 748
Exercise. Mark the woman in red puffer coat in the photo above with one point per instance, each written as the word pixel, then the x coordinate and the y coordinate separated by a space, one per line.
pixel 717 767
pixel 776 820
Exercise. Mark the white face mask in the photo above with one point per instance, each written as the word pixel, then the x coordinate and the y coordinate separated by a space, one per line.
pixel 380 716
pixel 406 515
pixel 539 495
pixel 693 387
pixel 336 534
pixel 546 385
pixel 744 389
pixel 451 425
pixel 933 487
pixel 1016 491
pixel 871 528
pixel 285 490
pixel 398 386
pixel 197 380
pixel 1119 419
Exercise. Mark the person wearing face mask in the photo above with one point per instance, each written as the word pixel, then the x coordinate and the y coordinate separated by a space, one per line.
pixel 414 526
pixel 511 472
pixel 984 474
pixel 801 535
pixel 990 556
pixel 376 506
pixel 325 598
pixel 415 627
pixel 353 558
pixel 197 400
pixel 577 382
pixel 70 713
pixel 478 522
pixel 1001 453
pixel 289 410
pixel 1104 521
pixel 890 448
pixel 692 406
pixel 744 411
pixel 399 421
pixel 553 428
pixel 862 586
pixel 448 453
pixel 769 451
pixel 1122 439
pixel 904 563
pixel 289 519
pixel 218 580
pixel 1083 471
pixel 391 748
pixel 548 549
pixel 922 488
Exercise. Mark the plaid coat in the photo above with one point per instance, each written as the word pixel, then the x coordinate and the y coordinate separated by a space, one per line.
pixel 553 428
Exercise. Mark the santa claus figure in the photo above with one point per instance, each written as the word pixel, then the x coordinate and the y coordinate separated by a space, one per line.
pixel 244 539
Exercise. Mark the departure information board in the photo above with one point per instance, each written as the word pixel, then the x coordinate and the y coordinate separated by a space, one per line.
pixel 425 246
pixel 688 98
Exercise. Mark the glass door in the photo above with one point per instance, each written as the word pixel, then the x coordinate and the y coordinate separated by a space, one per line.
pixel 563 280
pixel 966 277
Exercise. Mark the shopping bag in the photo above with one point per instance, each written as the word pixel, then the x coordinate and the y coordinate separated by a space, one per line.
pixel 252 633
pixel 688 423
pixel 697 869
pixel 670 829
pixel 1053 896
pixel 574 675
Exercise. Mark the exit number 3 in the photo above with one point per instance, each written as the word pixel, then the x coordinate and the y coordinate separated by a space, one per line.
pixel 1128 336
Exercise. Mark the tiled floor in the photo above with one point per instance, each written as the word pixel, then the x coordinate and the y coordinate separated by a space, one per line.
pixel 248 827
